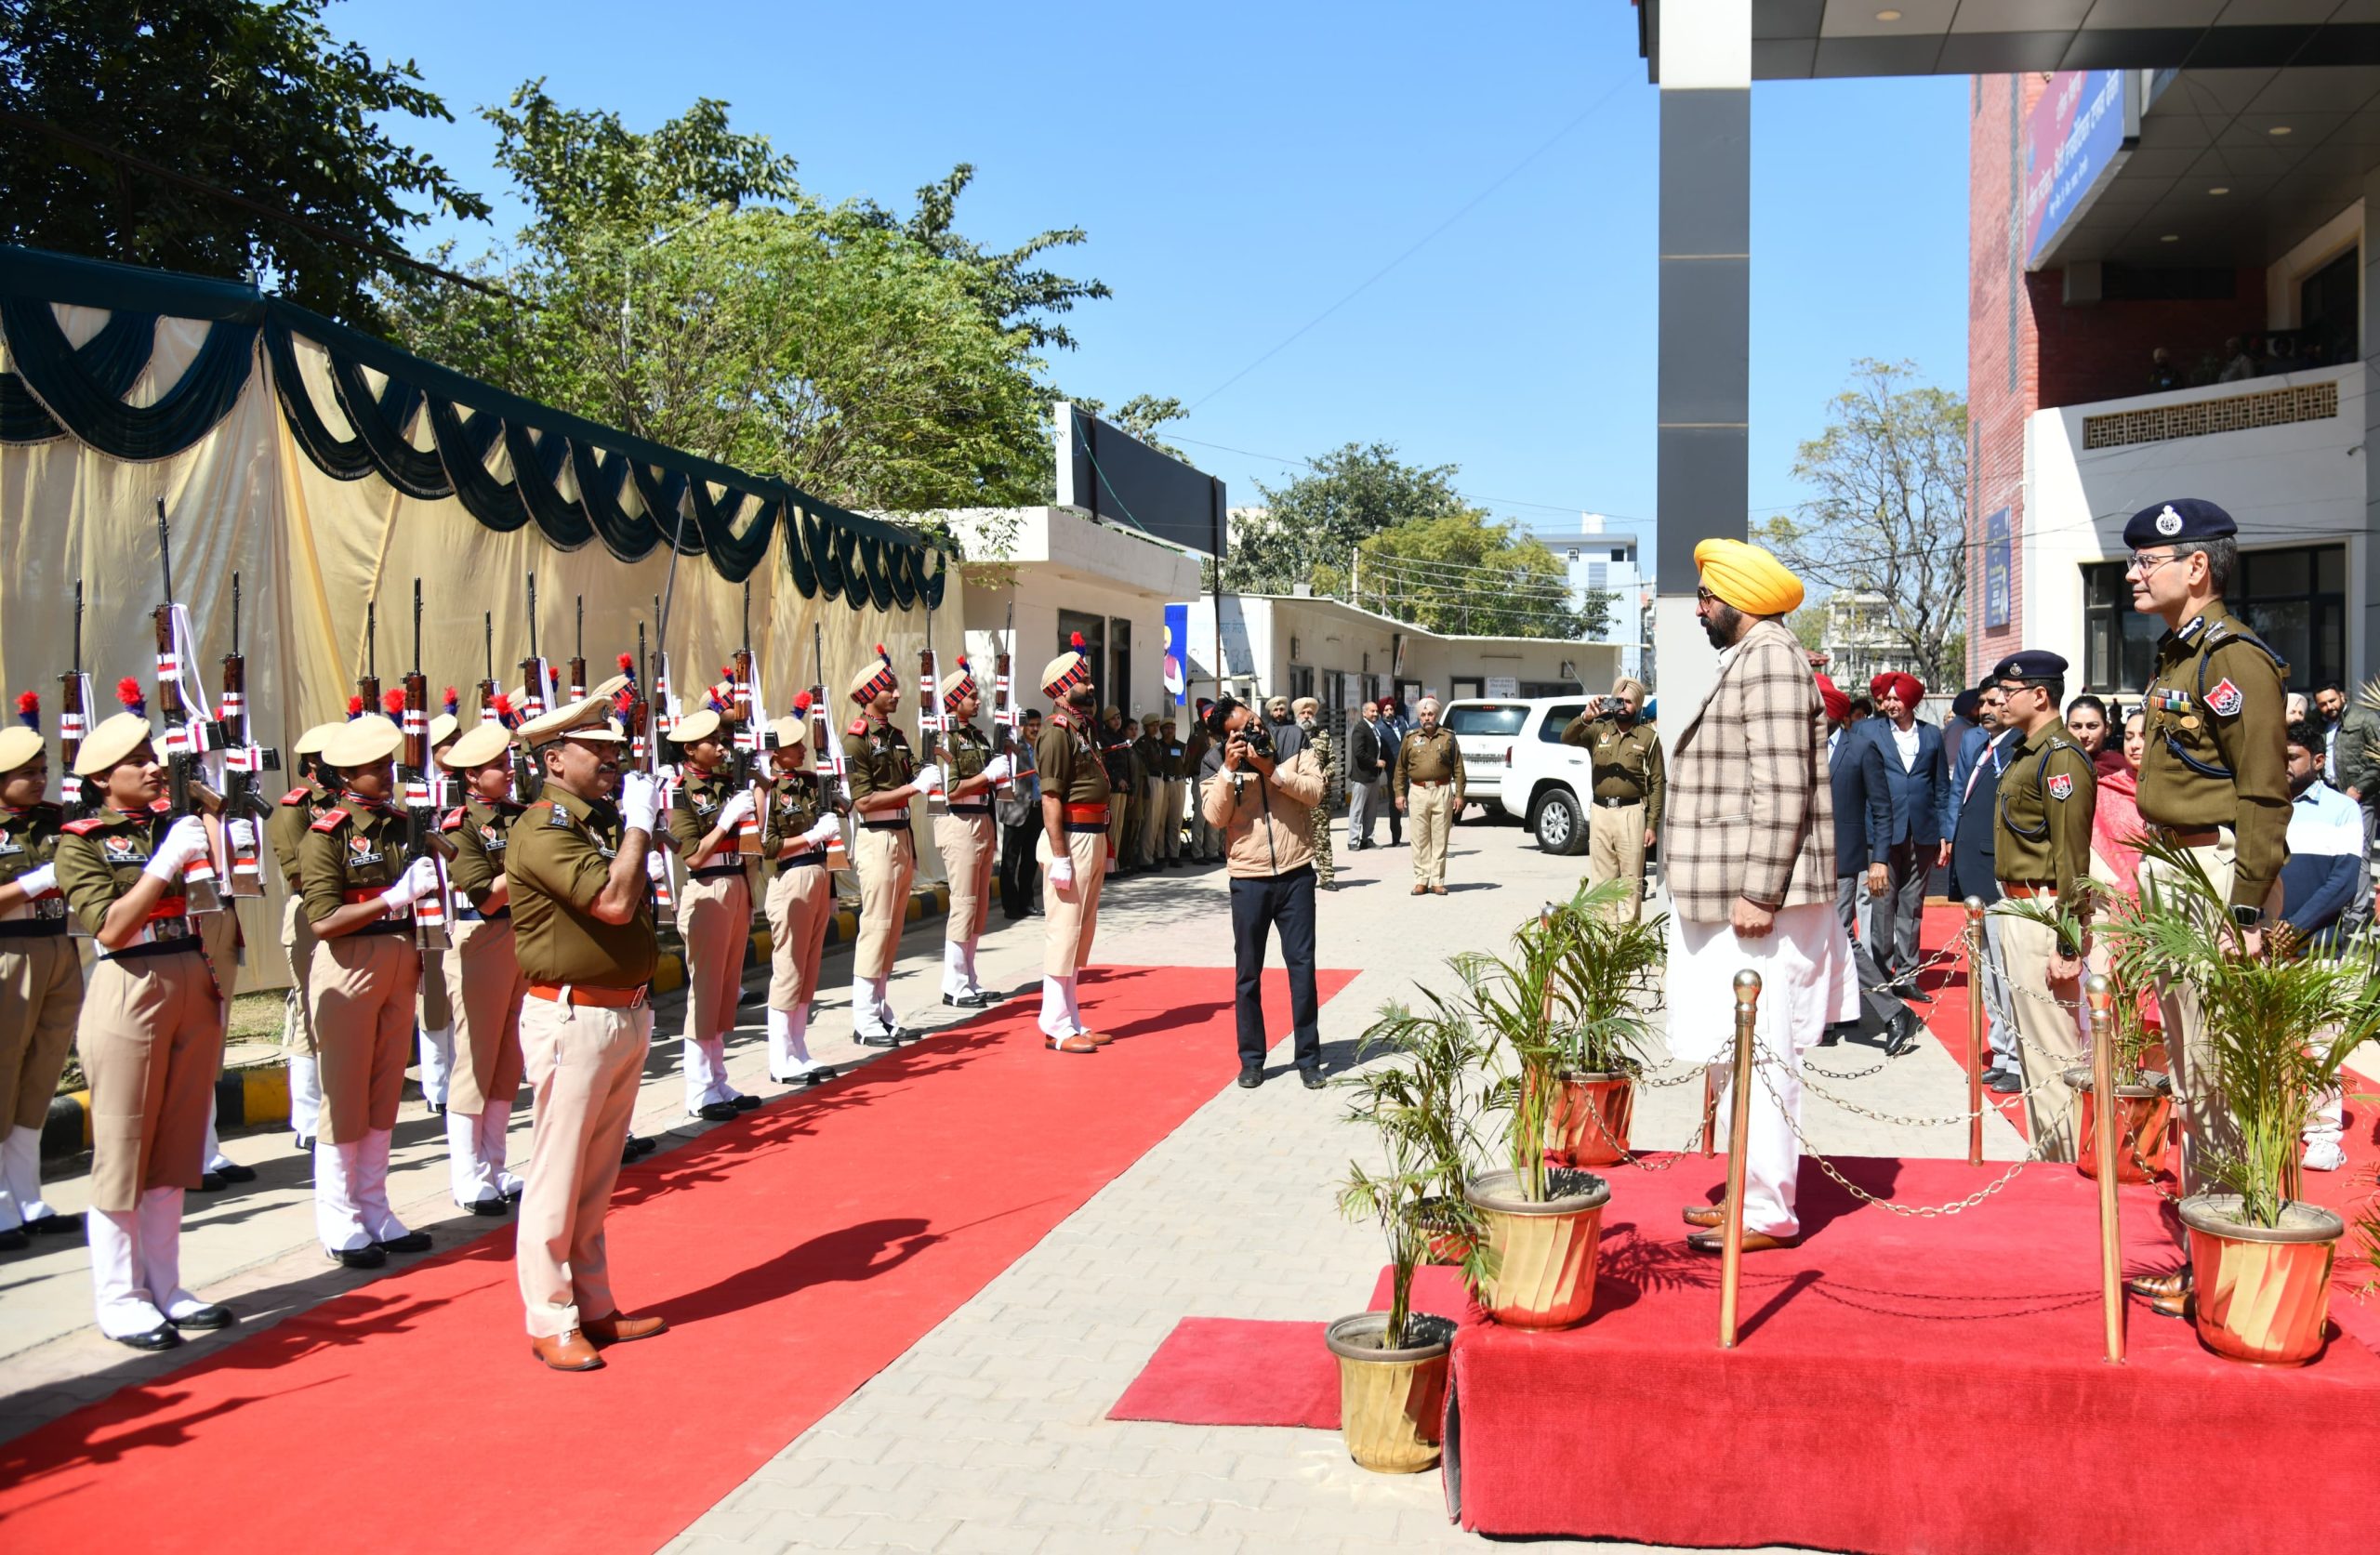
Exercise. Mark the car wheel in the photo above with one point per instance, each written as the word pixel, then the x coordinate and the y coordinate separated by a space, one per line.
pixel 1557 822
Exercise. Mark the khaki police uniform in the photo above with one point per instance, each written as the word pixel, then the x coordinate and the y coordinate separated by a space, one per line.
pixel 484 987
pixel 2041 853
pixel 1149 751
pixel 2214 780
pixel 1072 772
pixel 284 831
pixel 41 997
pixel 967 837
pixel 1173 800
pixel 585 1031
pixel 800 904
pixel 1625 787
pixel 878 759
pixel 715 922
pixel 1429 779
pixel 1116 761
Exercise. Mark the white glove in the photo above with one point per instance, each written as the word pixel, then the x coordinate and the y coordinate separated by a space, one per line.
pixel 929 779
pixel 184 841
pixel 736 811
pixel 418 881
pixel 1062 876
pixel 999 768
pixel 38 882
pixel 655 867
pixel 637 802
pixel 828 829
pixel 242 836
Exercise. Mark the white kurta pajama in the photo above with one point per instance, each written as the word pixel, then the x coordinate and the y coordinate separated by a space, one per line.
pixel 1808 982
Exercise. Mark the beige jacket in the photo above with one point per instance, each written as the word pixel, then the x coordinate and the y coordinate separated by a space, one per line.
pixel 1267 824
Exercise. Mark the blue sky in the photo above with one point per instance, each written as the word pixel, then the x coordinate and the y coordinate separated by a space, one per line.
pixel 1240 168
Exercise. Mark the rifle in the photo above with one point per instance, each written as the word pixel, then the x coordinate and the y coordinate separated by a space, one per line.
pixel 578 655
pixel 425 795
pixel 73 708
pixel 367 685
pixel 930 718
pixel 1004 704
pixel 188 734
pixel 242 762
pixel 534 674
pixel 639 709
pixel 828 757
pixel 489 690
pixel 752 737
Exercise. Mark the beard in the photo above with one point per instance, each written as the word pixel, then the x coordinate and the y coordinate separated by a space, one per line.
pixel 1079 701
pixel 1722 624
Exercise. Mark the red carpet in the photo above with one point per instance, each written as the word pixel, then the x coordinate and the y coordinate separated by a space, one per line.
pixel 1904 1385
pixel 1230 1371
pixel 795 1254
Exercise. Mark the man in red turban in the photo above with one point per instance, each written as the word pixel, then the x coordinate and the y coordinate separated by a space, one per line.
pixel 1917 773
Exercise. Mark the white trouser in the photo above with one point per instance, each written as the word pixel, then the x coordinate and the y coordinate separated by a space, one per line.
pixel 1061 1015
pixel 372 1191
pixel 437 1063
pixel 304 1095
pixel 495 1125
pixel 20 1176
pixel 160 1252
pixel 338 1212
pixel 706 1066
pixel 871 1010
pixel 214 1157
pixel 468 1172
pixel 788 1043
pixel 958 969
pixel 119 1291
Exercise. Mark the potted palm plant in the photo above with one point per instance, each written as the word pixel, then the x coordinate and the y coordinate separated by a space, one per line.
pixel 1392 1364
pixel 1540 1221
pixel 2143 1095
pixel 1602 1047
pixel 2279 1025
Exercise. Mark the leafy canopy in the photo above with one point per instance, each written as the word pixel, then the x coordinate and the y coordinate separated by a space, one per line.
pixel 256 99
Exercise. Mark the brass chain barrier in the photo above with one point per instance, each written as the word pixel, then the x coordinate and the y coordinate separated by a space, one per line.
pixel 1762 1063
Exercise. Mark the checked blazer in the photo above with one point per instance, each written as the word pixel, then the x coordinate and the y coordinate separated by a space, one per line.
pixel 1750 808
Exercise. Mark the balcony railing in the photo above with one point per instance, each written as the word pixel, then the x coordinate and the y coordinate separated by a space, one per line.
pixel 2317 401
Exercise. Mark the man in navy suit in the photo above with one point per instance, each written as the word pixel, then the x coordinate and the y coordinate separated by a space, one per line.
pixel 1917 771
pixel 1862 816
pixel 1975 785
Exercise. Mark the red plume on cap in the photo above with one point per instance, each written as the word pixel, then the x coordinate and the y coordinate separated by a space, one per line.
pixel 355 706
pixel 802 703
pixel 127 690
pixel 504 714
pixel 394 700
pixel 453 699
pixel 963 660
pixel 1076 643
pixel 29 708
pixel 628 666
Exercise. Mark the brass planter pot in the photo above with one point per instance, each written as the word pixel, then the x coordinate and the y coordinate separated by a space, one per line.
pixel 1589 1116
pixel 1544 1254
pixel 1392 1402
pixel 2263 1292
pixel 2143 1127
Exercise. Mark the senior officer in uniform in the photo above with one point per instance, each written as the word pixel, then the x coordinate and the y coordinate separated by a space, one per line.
pixel 1074 847
pixel 41 978
pixel 800 900
pixel 967 837
pixel 482 974
pixel 882 777
pixel 1625 757
pixel 284 830
pixel 150 1035
pixel 581 917
pixel 714 909
pixel 360 896
pixel 2041 854
pixel 2214 781
pixel 1428 784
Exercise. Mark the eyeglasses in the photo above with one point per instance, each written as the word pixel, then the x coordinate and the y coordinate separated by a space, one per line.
pixel 2145 564
pixel 1703 596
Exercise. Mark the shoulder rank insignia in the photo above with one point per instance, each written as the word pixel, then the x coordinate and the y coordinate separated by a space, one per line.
pixel 556 815
pixel 453 820
pixel 2061 785
pixel 858 730
pixel 330 819
pixel 87 825
pixel 2190 628
pixel 2225 700
pixel 295 796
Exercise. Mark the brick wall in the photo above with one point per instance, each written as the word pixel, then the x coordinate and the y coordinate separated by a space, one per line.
pixel 2102 352
pixel 2002 354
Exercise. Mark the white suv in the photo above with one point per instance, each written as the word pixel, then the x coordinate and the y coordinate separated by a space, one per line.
pixel 1484 731
pixel 1514 755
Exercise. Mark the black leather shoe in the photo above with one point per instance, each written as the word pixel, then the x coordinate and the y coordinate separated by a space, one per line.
pixel 411 1242
pixel 629 1155
pixel 1830 1037
pixel 209 1183
pixel 433 1109
pixel 204 1321
pixel 1900 1036
pixel 1999 1082
pixel 55 1225
pixel 485 1207
pixel 717 1112
pixel 1311 1079
pixel 638 1145
pixel 1250 1075
pixel 14 1239
pixel 163 1336
pixel 231 1171
pixel 877 1039
pixel 303 1144
pixel 743 1102
pixel 1919 994
pixel 358 1257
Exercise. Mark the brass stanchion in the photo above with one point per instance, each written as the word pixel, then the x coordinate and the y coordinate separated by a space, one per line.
pixel 1976 960
pixel 1731 1257
pixel 1709 1112
pixel 2099 998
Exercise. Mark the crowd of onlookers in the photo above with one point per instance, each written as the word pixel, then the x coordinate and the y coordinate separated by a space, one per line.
pixel 2248 356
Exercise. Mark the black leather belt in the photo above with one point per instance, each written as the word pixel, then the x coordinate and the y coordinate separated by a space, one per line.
pixel 161 947
pixel 984 809
pixel 802 861
pixel 33 928
pixel 1615 804
pixel 394 926
pixel 1089 828
pixel 715 872
pixel 900 826
pixel 472 914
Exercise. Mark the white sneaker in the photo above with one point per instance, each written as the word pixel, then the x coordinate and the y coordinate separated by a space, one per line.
pixel 2323 1155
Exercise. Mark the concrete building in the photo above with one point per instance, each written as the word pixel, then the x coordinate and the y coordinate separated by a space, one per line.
pixel 1064 573
pixel 1859 642
pixel 2217 217
pixel 1602 561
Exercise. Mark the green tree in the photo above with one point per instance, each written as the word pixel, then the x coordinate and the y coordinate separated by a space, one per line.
pixel 1309 529
pixel 1010 292
pixel 1460 572
pixel 257 102
pixel 1890 472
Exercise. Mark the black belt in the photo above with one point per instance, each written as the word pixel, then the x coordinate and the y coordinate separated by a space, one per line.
pixel 803 861
pixel 160 947
pixel 397 926
pixel 1615 804
pixel 715 872
pixel 900 826
pixel 33 928
pixel 472 914
pixel 1089 828
pixel 984 809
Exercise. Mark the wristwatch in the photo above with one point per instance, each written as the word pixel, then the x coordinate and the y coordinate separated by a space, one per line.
pixel 2248 918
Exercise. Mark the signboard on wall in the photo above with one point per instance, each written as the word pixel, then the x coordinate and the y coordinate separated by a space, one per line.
pixel 1177 654
pixel 1998 604
pixel 2078 134
pixel 1503 685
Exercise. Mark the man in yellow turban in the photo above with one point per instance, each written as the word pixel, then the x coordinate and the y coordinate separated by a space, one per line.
pixel 1750 848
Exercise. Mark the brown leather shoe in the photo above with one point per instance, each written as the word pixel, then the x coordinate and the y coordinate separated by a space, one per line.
pixel 2182 1304
pixel 569 1352
pixel 1754 1241
pixel 1079 1043
pixel 619 1329
pixel 1098 1039
pixel 1708 1216
pixel 1420 889
pixel 1437 891
pixel 2159 1288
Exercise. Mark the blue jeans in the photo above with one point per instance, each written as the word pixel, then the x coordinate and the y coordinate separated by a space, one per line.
pixel 1256 906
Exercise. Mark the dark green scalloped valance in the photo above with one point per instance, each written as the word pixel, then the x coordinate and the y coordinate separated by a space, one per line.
pixel 631 494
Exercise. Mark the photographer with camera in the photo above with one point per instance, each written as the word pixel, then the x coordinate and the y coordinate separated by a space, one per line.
pixel 1263 804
